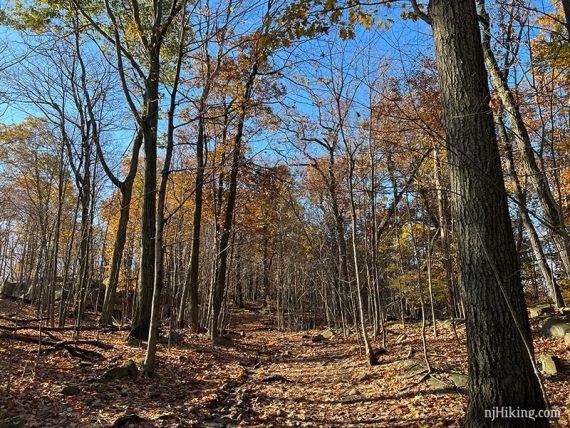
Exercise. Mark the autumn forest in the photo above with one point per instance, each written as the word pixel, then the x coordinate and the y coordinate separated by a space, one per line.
pixel 271 213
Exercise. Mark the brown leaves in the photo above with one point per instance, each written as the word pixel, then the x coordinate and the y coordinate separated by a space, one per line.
pixel 269 379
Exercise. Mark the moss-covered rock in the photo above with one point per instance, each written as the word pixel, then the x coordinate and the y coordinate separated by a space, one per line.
pixel 129 369
pixel 540 310
pixel 548 365
pixel 555 327
pixel 70 390
pixel 224 341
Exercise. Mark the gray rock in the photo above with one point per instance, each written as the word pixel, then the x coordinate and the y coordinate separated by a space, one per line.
pixel 436 386
pixel 94 403
pixel 449 323
pixel 129 369
pixel 275 378
pixel 217 422
pixel 555 327
pixel 133 342
pixel 99 387
pixel 70 390
pixel 412 365
pixel 317 338
pixel 548 365
pixel 459 380
pixel 541 310
pixel 224 341
pixel 173 336
pixel 327 334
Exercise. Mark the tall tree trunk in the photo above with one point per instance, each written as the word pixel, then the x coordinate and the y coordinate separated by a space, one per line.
pixel 520 196
pixel 126 189
pixel 143 303
pixel 221 267
pixel 550 208
pixel 501 371
pixel 453 296
pixel 191 281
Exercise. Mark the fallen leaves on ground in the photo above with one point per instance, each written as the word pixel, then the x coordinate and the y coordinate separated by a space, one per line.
pixel 269 378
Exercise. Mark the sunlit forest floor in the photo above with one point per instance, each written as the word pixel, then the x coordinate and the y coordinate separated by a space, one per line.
pixel 267 378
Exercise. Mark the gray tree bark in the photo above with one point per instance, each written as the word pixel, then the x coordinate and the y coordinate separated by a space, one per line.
pixel 501 371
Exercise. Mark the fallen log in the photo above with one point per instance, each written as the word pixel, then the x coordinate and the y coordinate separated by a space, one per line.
pixel 69 345
pixel 62 329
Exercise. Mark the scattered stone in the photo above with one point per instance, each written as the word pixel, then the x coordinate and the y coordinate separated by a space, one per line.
pixel 327 334
pixel 173 336
pixel 128 420
pixel 459 380
pixel 555 327
pixel 436 386
pixel 129 369
pixel 401 338
pixel 224 341
pixel 449 323
pixel 93 403
pixel 275 378
pixel 99 387
pixel 70 390
pixel 548 365
pixel 133 342
pixel 317 338
pixel 540 310
pixel 217 422
pixel 412 365
pixel 353 392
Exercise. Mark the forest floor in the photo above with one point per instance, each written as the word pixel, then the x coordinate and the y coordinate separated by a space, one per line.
pixel 268 379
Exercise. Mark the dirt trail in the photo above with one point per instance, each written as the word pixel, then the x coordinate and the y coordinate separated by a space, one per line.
pixel 268 379
pixel 295 382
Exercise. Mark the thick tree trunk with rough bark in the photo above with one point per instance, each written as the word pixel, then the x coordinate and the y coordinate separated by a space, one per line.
pixel 499 343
